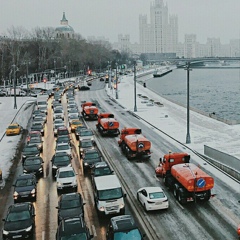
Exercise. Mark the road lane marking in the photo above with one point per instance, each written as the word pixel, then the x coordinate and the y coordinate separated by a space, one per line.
pixel 43 235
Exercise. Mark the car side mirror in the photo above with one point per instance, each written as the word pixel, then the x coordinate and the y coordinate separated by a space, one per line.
pixel 124 195
pixel 91 236
pixel 57 207
pixel 3 219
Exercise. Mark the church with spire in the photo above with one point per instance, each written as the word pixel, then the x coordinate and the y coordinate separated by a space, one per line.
pixel 64 30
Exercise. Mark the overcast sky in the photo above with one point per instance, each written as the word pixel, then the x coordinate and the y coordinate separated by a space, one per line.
pixel 108 18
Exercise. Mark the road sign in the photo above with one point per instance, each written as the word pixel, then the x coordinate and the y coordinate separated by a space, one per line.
pixel 201 183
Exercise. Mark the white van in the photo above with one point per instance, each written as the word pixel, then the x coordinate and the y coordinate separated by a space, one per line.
pixel 108 195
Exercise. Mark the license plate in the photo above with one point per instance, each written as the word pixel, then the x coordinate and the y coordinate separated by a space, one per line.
pixel 24 196
pixel 17 236
pixel 158 203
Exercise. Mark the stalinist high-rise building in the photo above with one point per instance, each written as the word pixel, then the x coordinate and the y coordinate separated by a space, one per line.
pixel 161 35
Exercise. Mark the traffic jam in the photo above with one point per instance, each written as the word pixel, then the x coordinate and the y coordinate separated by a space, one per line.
pixel 67 134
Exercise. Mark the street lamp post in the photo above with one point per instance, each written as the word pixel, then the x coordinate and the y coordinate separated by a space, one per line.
pixel 14 85
pixel 135 88
pixel 108 75
pixel 188 139
pixel 116 81
pixel 27 63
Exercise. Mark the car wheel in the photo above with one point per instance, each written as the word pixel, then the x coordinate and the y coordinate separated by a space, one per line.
pixel 138 197
pixel 145 207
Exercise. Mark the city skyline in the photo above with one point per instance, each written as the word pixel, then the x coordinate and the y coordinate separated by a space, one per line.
pixel 206 19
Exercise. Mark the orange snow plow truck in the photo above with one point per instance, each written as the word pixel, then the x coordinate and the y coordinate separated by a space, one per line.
pixel 89 111
pixel 238 231
pixel 187 181
pixel 107 125
pixel 134 144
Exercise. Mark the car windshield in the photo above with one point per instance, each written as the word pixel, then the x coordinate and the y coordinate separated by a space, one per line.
pixel 31 149
pixel 13 127
pixel 63 158
pixel 70 204
pixel 34 141
pixel 58 111
pixel 76 123
pixel 66 174
pixel 156 195
pixel 133 234
pixel 62 139
pixel 63 132
pixel 102 171
pixel 63 147
pixel 86 133
pixel 42 103
pixel 30 162
pixel 91 155
pixel 18 216
pixel 73 110
pixel 24 182
pixel 110 194
pixel 86 144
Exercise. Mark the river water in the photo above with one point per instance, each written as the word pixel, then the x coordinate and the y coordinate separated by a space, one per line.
pixel 211 90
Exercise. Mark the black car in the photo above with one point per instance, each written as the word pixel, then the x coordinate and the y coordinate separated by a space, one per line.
pixel 25 188
pixel 79 131
pixel 19 222
pixel 70 205
pixel 30 151
pixel 101 169
pixel 84 88
pixel 90 157
pixel 33 165
pixel 123 227
pixel 73 228
pixel 60 159
pixel 36 141
pixel 38 127
pixel 85 144
pixel 63 139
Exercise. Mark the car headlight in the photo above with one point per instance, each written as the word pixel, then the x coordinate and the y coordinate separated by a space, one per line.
pixel 122 205
pixel 54 166
pixel 40 145
pixel 101 209
pixel 81 149
pixel 5 232
pixel 40 169
pixel 69 165
pixel 80 139
pixel 92 138
pixel 15 194
pixel 74 182
pixel 28 229
pixel 85 164
pixel 25 171
pixel 24 156
pixel 33 191
pixel 59 184
pixel 37 155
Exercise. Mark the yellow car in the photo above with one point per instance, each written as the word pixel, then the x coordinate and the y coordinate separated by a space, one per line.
pixel 74 124
pixel 13 129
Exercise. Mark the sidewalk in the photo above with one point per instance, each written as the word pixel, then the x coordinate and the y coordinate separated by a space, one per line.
pixel 172 119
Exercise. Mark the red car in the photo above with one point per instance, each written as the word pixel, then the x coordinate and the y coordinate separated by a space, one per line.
pixel 33 134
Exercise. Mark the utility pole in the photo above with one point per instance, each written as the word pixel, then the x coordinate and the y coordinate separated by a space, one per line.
pixel 14 85
pixel 188 139
pixel 135 88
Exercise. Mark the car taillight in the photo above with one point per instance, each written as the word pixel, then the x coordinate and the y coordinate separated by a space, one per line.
pixel 150 202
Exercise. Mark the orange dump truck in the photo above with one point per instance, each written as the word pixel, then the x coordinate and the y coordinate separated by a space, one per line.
pixel 89 111
pixel 134 144
pixel 107 125
pixel 187 181
pixel 238 231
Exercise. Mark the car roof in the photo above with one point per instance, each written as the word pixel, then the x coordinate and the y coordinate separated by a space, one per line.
pixel 153 189
pixel 19 207
pixel 70 196
pixel 63 169
pixel 101 164
pixel 123 222
pixel 26 176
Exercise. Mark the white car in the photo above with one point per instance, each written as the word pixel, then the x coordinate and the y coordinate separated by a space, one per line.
pixel 66 178
pixel 64 147
pixel 152 198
